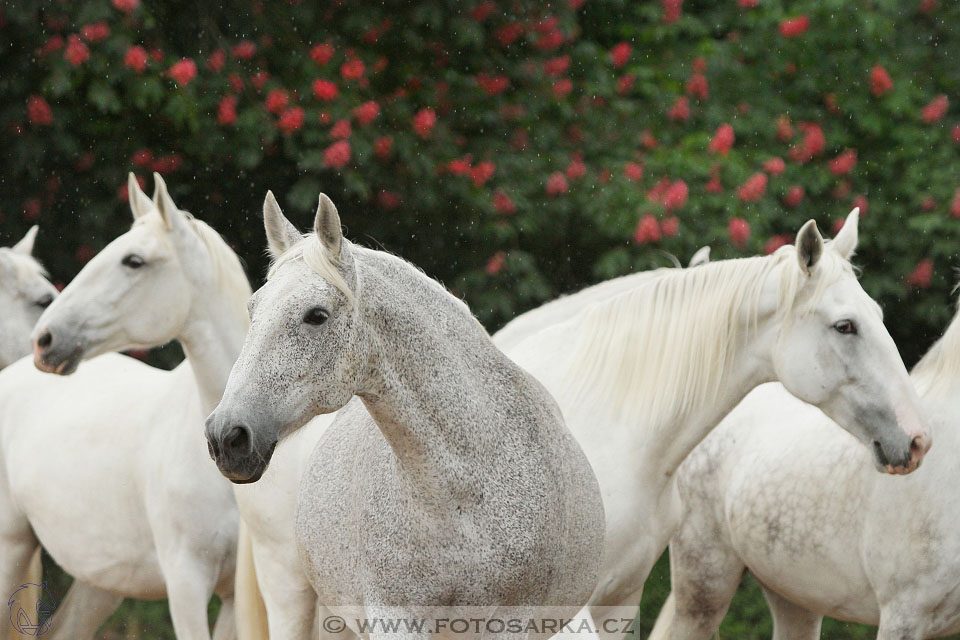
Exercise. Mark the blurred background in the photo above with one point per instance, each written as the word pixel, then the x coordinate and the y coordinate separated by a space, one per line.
pixel 514 150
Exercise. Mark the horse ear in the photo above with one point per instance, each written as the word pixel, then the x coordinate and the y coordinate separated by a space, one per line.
pixel 700 258
pixel 25 246
pixel 281 234
pixel 846 241
pixel 809 246
pixel 168 210
pixel 140 203
pixel 327 226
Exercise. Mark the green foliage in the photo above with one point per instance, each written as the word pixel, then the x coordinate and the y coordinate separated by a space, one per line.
pixel 528 184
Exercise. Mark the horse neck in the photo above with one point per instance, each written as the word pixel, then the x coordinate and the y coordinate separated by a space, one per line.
pixel 213 336
pixel 430 421
pixel 937 379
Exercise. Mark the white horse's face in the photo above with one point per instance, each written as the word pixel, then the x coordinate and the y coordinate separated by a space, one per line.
pixel 838 356
pixel 304 355
pixel 24 294
pixel 136 293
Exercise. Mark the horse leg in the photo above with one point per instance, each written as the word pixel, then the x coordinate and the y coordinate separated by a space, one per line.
pixel 82 612
pixel 287 594
pixel 791 621
pixel 226 625
pixel 190 585
pixel 901 622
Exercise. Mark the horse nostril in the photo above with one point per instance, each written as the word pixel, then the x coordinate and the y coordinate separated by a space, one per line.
pixel 237 440
pixel 45 340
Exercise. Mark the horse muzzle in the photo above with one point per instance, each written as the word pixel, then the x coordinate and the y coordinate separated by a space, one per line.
pixel 53 355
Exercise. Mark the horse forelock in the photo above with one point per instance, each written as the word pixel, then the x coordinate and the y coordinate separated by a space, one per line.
pixel 657 352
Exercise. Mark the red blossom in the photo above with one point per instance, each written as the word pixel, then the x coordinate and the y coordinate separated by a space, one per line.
pixel 424 121
pixel 236 82
pixel 227 110
pixel 843 163
pixel 775 242
pixel 861 203
pixel 127 6
pixel 95 32
pixel 217 60
pixel 84 253
pixel 648 230
pixel 141 158
pixel 341 130
pixel 556 184
pixel 482 10
pixel 388 200
pixel 670 226
pixel 136 59
pixel 382 147
pixel 576 169
pixel 956 134
pixel 183 72
pixel 928 203
pixel 496 263
pixel 322 53
pixel 671 194
pixel 880 81
pixel 784 129
pixel 620 54
pixel 794 196
pixel 955 204
pixel 503 203
pixel 493 85
pixel 748 4
pixel 324 90
pixel 754 188
pixel 167 164
pixel 739 230
pixel 31 209
pixel 935 109
pixel 625 83
pixel 672 10
pixel 459 166
pixel 680 111
pixel 366 112
pixel 53 43
pixel 352 69
pixel 259 80
pixel 77 52
pixel 922 274
pixel 556 66
pixel 647 140
pixel 697 86
pixel 291 120
pixel 508 33
pixel 39 112
pixel 277 100
pixel 793 27
pixel 550 40
pixel 723 140
pixel 699 64
pixel 775 166
pixel 562 87
pixel 713 184
pixel 244 50
pixel 337 155
pixel 928 6
pixel 633 171
pixel 812 144
pixel 482 172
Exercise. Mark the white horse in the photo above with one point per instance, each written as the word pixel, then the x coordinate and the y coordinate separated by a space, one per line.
pixel 778 490
pixel 126 500
pixel 644 376
pixel 450 482
pixel 24 293
pixel 267 507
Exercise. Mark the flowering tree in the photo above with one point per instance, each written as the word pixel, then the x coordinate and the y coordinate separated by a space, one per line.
pixel 515 150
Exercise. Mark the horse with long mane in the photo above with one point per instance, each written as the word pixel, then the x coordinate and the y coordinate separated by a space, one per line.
pixel 779 491
pixel 450 481
pixel 644 376
pixel 124 440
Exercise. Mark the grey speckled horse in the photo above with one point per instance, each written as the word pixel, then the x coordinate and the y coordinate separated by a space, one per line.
pixel 452 481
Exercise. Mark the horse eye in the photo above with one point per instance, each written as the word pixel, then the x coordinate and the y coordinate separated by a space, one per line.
pixel 45 301
pixel 316 316
pixel 133 261
pixel 846 327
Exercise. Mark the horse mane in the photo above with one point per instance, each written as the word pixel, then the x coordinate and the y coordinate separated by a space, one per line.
pixel 227 269
pixel 312 252
pixel 940 366
pixel 656 353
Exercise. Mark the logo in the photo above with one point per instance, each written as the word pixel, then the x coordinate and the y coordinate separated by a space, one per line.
pixel 31 609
